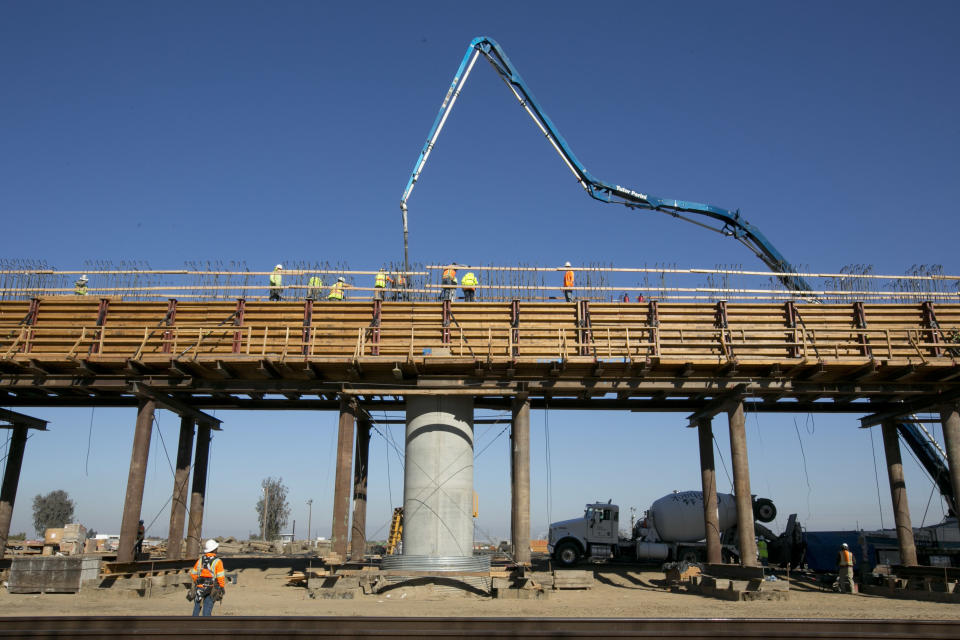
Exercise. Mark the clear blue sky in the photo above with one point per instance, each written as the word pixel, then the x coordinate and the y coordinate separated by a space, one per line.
pixel 276 131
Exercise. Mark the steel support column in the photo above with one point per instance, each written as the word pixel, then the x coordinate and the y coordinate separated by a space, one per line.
pixel 135 481
pixel 520 480
pixel 198 491
pixel 341 486
pixel 741 486
pixel 898 493
pixel 951 438
pixel 181 479
pixel 361 466
pixel 11 478
pixel 708 479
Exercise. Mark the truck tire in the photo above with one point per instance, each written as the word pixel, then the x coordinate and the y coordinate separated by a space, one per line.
pixel 688 555
pixel 764 510
pixel 567 554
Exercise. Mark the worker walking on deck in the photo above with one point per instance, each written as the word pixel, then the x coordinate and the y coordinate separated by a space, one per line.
pixel 314 287
pixel 568 283
pixel 449 282
pixel 138 545
pixel 398 285
pixel 469 284
pixel 80 286
pixel 276 282
pixel 845 569
pixel 380 283
pixel 209 580
pixel 337 290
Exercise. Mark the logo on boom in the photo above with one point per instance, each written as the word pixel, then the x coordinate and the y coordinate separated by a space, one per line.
pixel 631 192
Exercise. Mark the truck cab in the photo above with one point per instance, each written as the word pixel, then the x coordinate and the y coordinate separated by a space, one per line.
pixel 595 535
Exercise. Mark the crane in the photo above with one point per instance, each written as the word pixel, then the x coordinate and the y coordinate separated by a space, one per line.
pixel 726 222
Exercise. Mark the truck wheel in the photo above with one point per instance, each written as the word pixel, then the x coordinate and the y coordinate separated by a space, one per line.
pixel 689 556
pixel 764 510
pixel 567 554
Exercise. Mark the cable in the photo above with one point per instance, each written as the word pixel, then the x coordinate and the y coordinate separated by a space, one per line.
pixel 86 464
pixel 876 477
pixel 723 463
pixel 803 456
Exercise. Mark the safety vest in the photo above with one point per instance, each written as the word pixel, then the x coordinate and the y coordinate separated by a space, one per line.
pixel 275 279
pixel 450 274
pixel 80 288
pixel 315 282
pixel 209 568
pixel 469 280
pixel 762 549
pixel 336 291
pixel 846 558
pixel 381 280
pixel 568 279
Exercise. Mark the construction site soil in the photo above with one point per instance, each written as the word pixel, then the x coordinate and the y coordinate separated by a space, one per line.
pixel 264 589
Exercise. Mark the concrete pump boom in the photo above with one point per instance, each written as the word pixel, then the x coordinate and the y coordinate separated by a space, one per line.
pixel 732 224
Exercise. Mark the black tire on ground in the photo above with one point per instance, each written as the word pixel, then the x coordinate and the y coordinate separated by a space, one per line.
pixel 764 510
pixel 567 554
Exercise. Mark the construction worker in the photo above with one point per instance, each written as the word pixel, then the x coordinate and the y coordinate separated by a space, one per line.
pixel 399 286
pixel 568 283
pixel 138 545
pixel 845 569
pixel 80 286
pixel 449 282
pixel 626 297
pixel 314 287
pixel 762 552
pixel 336 290
pixel 380 283
pixel 468 284
pixel 276 282
pixel 209 580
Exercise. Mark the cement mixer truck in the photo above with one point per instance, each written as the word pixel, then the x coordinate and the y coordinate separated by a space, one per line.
pixel 671 530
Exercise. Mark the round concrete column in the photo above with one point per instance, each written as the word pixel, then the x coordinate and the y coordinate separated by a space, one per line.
pixel 438 477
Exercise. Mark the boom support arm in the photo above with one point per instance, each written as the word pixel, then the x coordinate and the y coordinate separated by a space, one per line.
pixel 729 222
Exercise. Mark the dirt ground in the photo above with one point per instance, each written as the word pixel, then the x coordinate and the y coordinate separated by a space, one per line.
pixel 617 592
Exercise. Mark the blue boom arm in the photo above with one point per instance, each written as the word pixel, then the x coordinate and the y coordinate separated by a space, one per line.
pixel 730 222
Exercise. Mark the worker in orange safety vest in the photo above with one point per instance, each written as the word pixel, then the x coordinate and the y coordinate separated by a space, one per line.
pixel 568 283
pixel 209 580
pixel 449 281
pixel 845 569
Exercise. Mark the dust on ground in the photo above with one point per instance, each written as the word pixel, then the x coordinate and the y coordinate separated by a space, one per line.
pixel 616 592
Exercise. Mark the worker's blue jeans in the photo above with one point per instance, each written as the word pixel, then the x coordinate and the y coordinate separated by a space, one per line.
pixel 207 605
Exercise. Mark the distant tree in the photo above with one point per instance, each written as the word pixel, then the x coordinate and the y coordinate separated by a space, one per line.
pixel 52 510
pixel 18 536
pixel 273 511
pixel 91 533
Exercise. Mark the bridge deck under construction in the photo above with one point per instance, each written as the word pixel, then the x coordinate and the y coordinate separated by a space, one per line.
pixel 795 357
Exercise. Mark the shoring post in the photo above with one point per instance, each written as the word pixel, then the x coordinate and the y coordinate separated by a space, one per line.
pixel 136 479
pixel 898 494
pixel 341 485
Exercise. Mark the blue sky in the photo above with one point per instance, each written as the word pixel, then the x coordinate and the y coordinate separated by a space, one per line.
pixel 266 132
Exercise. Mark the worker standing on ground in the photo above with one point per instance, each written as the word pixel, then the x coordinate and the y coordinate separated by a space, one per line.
pixel 209 580
pixel 845 569
pixel 469 284
pixel 138 545
pixel 337 290
pixel 762 553
pixel 276 283
pixel 80 286
pixel 449 282
pixel 568 282
pixel 314 287
pixel 380 283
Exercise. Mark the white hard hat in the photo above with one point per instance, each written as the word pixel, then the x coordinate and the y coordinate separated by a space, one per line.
pixel 210 546
pixel 340 279
pixel 566 264
pixel 84 277
pixel 844 545
pixel 279 266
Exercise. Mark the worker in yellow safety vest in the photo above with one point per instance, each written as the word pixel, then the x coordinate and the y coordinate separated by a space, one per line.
pixel 276 282
pixel 468 284
pixel 336 291
pixel 80 286
pixel 314 286
pixel 449 282
pixel 568 283
pixel 380 283
pixel 845 569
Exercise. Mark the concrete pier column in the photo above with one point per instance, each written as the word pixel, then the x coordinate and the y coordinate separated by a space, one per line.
pixel 438 477
pixel 361 467
pixel 11 478
pixel 198 491
pixel 520 480
pixel 898 492
pixel 741 486
pixel 181 480
pixel 708 479
pixel 341 486
pixel 950 415
pixel 135 481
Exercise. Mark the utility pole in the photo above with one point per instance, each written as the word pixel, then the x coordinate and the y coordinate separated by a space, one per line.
pixel 309 521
